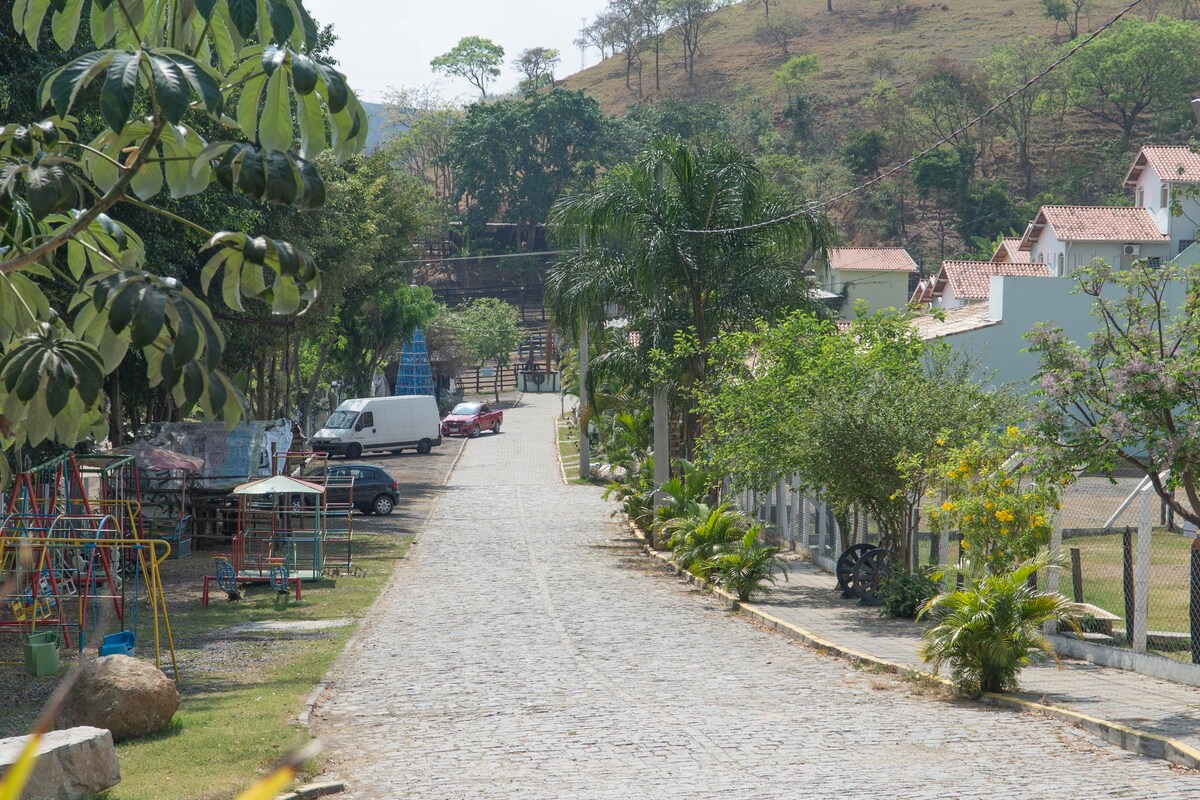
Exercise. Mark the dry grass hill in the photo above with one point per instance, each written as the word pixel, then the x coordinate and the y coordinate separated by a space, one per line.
pixel 735 55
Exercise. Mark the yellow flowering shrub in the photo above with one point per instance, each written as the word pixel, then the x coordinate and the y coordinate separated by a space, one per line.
pixel 993 499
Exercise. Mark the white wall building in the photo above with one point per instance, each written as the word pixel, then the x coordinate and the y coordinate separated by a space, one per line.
pixel 1067 237
pixel 1164 181
pixel 879 276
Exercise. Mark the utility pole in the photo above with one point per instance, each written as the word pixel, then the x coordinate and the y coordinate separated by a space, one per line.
pixel 585 444
pixel 662 413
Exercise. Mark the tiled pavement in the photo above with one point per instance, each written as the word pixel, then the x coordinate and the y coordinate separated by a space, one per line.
pixel 526 650
pixel 809 601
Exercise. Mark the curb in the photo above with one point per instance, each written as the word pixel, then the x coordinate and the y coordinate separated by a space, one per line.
pixel 1134 740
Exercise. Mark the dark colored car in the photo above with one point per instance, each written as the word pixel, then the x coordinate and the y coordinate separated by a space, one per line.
pixel 374 490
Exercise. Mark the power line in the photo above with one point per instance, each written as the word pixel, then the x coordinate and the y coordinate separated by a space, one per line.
pixel 483 258
pixel 944 140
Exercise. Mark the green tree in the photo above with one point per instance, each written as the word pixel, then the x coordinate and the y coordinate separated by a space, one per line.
pixel 986 210
pixel 1067 11
pixel 536 65
pixel 853 414
pixel 513 158
pixel 1140 68
pixel 489 330
pixel 423 145
pixel 795 74
pixel 862 151
pixel 77 293
pixel 1127 397
pixel 644 253
pixel 693 19
pixel 474 58
pixel 1008 68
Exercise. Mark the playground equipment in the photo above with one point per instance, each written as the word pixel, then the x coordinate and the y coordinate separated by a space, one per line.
pixel 65 578
pixel 281 527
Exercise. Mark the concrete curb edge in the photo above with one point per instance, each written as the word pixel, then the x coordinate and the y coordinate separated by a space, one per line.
pixel 1127 738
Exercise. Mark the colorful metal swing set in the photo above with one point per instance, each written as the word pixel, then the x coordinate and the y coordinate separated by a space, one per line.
pixel 74 563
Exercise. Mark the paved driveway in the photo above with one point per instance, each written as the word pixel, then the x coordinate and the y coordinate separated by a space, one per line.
pixel 527 651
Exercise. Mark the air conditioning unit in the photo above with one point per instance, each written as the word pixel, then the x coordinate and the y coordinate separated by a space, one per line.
pixel 1133 249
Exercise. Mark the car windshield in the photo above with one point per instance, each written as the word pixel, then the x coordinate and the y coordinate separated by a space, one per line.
pixel 341 420
pixel 466 409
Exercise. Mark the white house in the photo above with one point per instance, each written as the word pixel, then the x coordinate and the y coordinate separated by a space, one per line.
pixel 1164 180
pixel 1066 237
pixel 1010 252
pixel 960 283
pixel 878 275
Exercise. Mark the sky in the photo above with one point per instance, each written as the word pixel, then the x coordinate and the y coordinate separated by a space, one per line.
pixel 386 43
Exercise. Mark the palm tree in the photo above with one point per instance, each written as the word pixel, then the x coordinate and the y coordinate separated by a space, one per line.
pixel 659 247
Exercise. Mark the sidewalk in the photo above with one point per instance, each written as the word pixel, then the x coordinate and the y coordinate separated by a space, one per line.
pixel 809 601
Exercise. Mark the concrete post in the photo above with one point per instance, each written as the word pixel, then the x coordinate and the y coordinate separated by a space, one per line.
pixel 585 444
pixel 1141 573
pixel 662 443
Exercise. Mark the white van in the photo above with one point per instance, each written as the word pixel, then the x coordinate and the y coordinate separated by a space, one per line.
pixel 381 423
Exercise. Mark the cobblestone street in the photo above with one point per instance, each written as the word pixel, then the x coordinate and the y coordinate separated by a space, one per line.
pixel 527 650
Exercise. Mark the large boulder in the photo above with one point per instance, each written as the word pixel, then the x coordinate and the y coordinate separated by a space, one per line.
pixel 131 698
pixel 72 764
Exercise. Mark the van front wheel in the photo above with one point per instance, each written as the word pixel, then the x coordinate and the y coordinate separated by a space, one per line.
pixel 354 451
pixel 424 446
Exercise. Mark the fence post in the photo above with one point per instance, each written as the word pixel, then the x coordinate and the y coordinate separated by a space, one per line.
pixel 1141 574
pixel 796 531
pixel 1053 573
pixel 781 508
pixel 802 499
pixel 1194 607
pixel 1077 576
pixel 1127 581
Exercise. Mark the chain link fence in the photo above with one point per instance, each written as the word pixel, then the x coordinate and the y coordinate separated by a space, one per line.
pixel 1132 566
pixel 1127 561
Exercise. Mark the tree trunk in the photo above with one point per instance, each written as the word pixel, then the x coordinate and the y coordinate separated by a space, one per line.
pixel 116 416
pixel 496 382
pixel 273 389
pixel 315 381
pixel 829 6
pixel 260 386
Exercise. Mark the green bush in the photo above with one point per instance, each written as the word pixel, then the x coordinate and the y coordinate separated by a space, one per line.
pixel 989 629
pixel 903 593
pixel 746 568
pixel 696 539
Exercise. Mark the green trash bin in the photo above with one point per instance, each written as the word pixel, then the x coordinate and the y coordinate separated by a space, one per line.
pixel 41 653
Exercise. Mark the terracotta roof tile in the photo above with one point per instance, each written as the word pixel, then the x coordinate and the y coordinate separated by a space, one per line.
pixel 1010 251
pixel 871 259
pixel 1170 163
pixel 957 320
pixel 971 280
pixel 1095 224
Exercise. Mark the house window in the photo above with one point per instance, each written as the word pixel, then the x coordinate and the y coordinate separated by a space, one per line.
pixel 1141 198
pixel 1165 196
pixel 1184 244
pixel 1154 263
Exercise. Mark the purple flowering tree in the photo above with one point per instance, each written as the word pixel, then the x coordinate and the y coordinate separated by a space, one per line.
pixel 1132 395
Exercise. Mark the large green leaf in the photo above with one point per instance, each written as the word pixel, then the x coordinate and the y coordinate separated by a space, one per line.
pixel 275 126
pixel 62 86
pixel 295 283
pixel 65 24
pixel 171 88
pixel 120 86
pixel 244 14
pixel 50 384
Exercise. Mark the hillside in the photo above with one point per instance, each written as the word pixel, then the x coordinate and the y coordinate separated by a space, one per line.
pixel 732 56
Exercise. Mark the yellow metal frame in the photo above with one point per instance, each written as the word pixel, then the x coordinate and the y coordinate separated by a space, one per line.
pixel 158 552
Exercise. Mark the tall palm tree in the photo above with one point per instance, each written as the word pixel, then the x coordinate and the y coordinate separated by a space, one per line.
pixel 658 246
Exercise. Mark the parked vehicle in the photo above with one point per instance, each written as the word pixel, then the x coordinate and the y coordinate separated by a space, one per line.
pixel 374 490
pixel 471 419
pixel 380 423
pixel 370 489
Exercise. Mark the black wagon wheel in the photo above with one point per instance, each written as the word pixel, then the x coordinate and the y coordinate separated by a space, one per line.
pixel 872 570
pixel 846 563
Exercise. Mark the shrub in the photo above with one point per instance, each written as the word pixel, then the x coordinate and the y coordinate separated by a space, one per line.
pixel 748 567
pixel 697 538
pixel 989 629
pixel 904 593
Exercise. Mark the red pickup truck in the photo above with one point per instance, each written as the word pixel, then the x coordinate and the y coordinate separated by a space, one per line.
pixel 471 419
